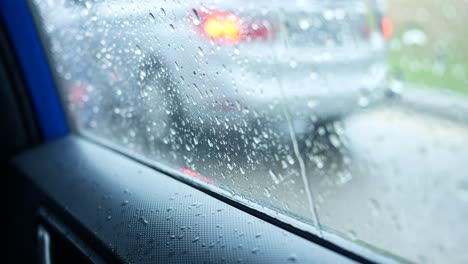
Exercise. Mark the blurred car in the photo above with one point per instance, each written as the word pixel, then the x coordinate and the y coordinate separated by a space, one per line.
pixel 213 64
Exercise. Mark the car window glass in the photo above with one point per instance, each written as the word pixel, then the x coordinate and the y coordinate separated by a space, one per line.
pixel 344 118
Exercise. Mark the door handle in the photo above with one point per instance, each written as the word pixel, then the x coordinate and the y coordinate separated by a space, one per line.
pixel 43 245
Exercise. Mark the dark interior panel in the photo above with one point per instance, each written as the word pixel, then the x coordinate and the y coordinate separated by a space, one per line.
pixel 143 216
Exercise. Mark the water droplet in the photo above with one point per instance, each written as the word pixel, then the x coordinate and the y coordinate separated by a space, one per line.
pixel 200 52
pixel 395 87
pixel 293 64
pixel 328 14
pixel 124 203
pixel 313 75
pixel 138 50
pixel 258 235
pixel 162 12
pixel 363 101
pixel 256 140
pixel 375 206
pixel 255 250
pixel 152 18
pixel 274 177
pixel 143 221
pixel 352 235
pixel 195 239
pixel 321 131
pixel 414 36
pixel 304 24
pixel 292 258
pixel 334 140
pixel 195 17
pixel 88 4
pixel 344 177
pixel 312 103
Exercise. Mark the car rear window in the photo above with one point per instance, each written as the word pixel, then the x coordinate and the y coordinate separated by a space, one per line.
pixel 346 119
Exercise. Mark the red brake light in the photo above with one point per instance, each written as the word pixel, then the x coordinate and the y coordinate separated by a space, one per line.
pixel 223 27
pixel 227 28
pixel 386 27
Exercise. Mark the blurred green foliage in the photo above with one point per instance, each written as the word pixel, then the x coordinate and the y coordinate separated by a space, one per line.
pixel 441 60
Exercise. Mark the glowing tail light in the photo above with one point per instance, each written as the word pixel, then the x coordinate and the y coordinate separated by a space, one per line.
pixel 386 27
pixel 227 28
pixel 223 28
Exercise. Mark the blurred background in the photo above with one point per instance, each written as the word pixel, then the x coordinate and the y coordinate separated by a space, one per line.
pixel 428 47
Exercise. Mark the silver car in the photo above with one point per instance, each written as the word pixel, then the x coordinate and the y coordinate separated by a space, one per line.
pixel 204 66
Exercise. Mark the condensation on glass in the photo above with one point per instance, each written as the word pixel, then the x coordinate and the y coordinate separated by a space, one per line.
pixel 350 116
